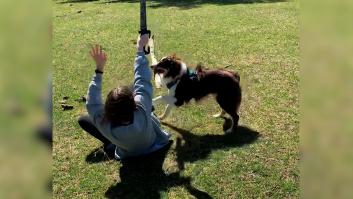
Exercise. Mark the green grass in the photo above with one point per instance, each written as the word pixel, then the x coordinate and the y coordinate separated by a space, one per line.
pixel 259 40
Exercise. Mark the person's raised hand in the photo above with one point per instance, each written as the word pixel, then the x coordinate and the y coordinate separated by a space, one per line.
pixel 99 57
pixel 141 42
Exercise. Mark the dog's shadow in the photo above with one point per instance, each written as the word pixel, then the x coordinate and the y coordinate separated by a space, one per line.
pixel 191 147
pixel 143 177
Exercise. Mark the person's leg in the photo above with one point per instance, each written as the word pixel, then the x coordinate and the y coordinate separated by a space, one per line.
pixel 86 124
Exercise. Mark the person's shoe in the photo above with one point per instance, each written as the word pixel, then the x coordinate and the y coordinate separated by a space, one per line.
pixel 109 150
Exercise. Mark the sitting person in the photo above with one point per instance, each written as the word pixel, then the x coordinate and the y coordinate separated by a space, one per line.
pixel 125 122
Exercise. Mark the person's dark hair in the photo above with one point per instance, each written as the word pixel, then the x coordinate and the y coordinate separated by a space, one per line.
pixel 120 106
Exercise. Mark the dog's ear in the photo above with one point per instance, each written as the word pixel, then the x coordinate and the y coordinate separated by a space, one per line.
pixel 174 57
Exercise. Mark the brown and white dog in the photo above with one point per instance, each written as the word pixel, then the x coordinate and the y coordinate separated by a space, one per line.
pixel 185 84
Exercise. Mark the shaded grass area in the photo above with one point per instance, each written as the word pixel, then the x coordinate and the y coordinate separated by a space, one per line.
pixel 260 41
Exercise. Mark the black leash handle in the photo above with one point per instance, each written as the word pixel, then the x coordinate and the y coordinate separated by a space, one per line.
pixel 143 32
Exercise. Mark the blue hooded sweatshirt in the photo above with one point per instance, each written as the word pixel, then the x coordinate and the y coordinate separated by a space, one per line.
pixel 144 134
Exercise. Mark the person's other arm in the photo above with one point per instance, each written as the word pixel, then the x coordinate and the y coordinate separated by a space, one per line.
pixel 94 102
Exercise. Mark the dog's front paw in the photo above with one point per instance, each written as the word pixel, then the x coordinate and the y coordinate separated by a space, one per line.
pixel 229 131
pixel 161 117
pixel 220 114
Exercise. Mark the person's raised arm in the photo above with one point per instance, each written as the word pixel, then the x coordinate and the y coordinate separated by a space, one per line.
pixel 142 84
pixel 94 102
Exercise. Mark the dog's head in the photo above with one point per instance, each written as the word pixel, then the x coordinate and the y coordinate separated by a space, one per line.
pixel 167 70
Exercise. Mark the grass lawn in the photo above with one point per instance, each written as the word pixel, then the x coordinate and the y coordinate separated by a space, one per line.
pixel 259 40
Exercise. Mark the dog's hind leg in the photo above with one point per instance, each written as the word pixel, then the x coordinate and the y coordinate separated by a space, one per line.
pixel 234 125
pixel 220 114
pixel 229 107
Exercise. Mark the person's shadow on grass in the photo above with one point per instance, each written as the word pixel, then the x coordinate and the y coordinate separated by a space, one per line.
pixel 143 177
pixel 191 147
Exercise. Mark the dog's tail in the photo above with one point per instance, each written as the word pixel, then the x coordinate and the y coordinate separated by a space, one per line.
pixel 235 74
